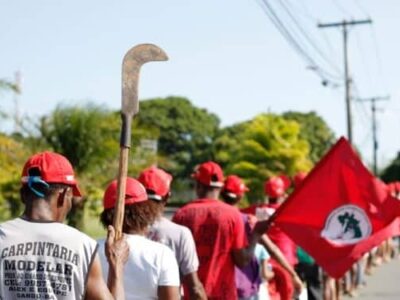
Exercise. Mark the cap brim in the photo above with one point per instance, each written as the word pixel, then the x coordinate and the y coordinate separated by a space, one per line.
pixel 154 197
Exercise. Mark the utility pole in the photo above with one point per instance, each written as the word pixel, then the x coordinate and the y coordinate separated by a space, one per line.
pixel 374 130
pixel 347 80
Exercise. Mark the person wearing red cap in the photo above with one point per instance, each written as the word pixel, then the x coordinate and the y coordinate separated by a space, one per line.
pixel 42 258
pixel 157 183
pixel 232 193
pixel 151 271
pixel 275 190
pixel 248 278
pixel 218 232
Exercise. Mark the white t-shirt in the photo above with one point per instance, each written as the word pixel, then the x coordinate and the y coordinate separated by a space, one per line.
pixel 180 240
pixel 150 265
pixel 43 260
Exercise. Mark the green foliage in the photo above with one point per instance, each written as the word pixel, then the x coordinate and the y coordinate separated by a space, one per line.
pixel 8 85
pixel 12 157
pixel 185 133
pixel 265 146
pixel 315 131
pixel 86 135
pixel 392 171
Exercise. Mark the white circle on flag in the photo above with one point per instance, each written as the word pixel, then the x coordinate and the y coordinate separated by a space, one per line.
pixel 347 224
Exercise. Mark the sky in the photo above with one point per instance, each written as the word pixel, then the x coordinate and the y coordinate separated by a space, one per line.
pixel 224 55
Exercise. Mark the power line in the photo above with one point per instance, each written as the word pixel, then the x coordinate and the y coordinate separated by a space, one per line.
pixel 364 62
pixel 362 9
pixel 295 44
pixel 340 8
pixel 306 36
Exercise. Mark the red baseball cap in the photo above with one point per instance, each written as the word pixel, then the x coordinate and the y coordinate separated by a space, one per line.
pixel 209 174
pixel 157 181
pixel 298 178
pixel 286 181
pixel 234 186
pixel 274 187
pixel 53 168
pixel 134 193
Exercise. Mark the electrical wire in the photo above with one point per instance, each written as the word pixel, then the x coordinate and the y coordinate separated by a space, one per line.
pixel 364 62
pixel 306 35
pixel 340 8
pixel 293 42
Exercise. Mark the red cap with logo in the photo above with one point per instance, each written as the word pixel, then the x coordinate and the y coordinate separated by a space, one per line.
pixel 234 186
pixel 274 187
pixel 209 174
pixel 134 193
pixel 53 168
pixel 156 181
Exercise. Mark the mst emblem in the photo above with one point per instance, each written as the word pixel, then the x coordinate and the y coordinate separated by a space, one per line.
pixel 347 224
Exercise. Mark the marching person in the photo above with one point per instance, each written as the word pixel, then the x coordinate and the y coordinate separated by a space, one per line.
pixel 275 190
pixel 248 278
pixel 218 232
pixel 151 271
pixel 42 258
pixel 178 238
pixel 233 191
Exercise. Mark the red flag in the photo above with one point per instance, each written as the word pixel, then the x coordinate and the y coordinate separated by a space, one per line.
pixel 340 211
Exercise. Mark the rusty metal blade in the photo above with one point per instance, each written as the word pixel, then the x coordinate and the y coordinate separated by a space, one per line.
pixel 133 60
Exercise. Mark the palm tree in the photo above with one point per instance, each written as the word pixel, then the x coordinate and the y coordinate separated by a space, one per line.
pixel 7 85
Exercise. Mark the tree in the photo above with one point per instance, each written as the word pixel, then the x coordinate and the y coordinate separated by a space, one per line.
pixel 265 146
pixel 315 131
pixel 185 132
pixel 86 135
pixel 89 137
pixel 392 171
pixel 8 85
pixel 12 157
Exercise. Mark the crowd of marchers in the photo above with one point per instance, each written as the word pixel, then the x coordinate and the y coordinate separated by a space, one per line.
pixel 211 249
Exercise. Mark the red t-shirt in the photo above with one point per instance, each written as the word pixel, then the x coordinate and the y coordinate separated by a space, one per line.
pixel 217 229
pixel 284 243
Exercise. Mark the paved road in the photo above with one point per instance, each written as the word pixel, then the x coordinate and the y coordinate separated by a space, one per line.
pixel 383 284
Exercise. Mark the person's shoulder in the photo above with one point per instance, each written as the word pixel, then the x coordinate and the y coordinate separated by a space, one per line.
pixel 9 223
pixel 229 209
pixel 183 211
pixel 181 230
pixel 148 245
pixel 75 233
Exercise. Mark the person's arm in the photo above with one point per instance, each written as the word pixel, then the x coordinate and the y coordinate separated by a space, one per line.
pixel 96 288
pixel 276 253
pixel 168 293
pixel 266 272
pixel 188 265
pixel 117 255
pixel 195 287
pixel 243 256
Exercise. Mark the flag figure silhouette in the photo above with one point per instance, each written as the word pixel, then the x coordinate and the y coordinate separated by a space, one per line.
pixel 340 211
